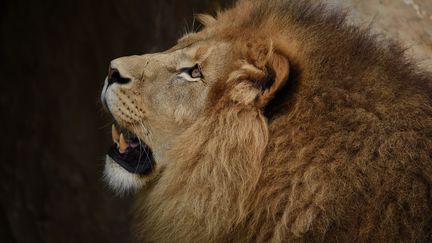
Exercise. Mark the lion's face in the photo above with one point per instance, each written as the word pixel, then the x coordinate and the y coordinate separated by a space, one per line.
pixel 154 98
pixel 157 98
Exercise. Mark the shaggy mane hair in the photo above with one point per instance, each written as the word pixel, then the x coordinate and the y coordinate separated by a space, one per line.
pixel 337 148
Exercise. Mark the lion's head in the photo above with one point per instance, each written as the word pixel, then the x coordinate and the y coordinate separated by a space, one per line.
pixel 156 98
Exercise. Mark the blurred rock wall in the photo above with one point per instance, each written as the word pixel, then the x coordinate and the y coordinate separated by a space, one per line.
pixel 409 21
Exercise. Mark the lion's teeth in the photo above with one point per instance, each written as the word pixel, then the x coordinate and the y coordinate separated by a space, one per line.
pixel 122 144
pixel 114 134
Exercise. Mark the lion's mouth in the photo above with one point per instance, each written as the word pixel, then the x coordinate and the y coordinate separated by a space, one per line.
pixel 130 152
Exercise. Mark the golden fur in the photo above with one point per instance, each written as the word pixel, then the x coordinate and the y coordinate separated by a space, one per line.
pixel 316 131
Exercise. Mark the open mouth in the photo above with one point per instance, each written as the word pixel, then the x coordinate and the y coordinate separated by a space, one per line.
pixel 130 152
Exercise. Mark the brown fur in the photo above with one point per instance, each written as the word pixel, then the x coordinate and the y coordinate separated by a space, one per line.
pixel 331 139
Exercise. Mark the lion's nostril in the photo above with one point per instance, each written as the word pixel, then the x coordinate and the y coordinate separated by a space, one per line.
pixel 115 77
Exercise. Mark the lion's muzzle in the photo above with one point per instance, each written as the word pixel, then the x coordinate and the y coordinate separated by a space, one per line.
pixel 128 151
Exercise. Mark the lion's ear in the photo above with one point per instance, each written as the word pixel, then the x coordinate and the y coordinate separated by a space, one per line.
pixel 205 19
pixel 277 75
pixel 262 72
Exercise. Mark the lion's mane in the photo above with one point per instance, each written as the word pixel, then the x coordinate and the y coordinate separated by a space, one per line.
pixel 341 152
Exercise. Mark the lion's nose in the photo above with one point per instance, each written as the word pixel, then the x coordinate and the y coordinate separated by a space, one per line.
pixel 114 76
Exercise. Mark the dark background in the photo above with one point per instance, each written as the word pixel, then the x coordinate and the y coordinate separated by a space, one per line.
pixel 54 56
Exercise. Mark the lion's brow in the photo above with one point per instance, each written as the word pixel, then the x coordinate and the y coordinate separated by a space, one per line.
pixel 200 52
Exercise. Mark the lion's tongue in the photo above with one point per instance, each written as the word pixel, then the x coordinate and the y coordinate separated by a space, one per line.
pixel 131 154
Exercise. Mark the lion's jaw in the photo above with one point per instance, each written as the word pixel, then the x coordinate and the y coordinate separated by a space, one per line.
pixel 155 97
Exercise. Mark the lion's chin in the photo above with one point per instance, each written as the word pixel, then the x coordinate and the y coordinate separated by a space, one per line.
pixel 121 180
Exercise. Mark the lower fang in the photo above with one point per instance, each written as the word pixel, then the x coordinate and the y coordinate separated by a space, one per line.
pixel 122 144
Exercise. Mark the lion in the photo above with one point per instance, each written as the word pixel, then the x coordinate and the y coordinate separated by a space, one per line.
pixel 276 122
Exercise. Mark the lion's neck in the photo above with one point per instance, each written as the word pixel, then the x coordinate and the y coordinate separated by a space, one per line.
pixel 216 162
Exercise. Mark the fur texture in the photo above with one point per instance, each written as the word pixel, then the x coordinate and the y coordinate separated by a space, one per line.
pixel 320 132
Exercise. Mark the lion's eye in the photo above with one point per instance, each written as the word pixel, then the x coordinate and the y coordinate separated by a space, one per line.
pixel 195 72
pixel 191 74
